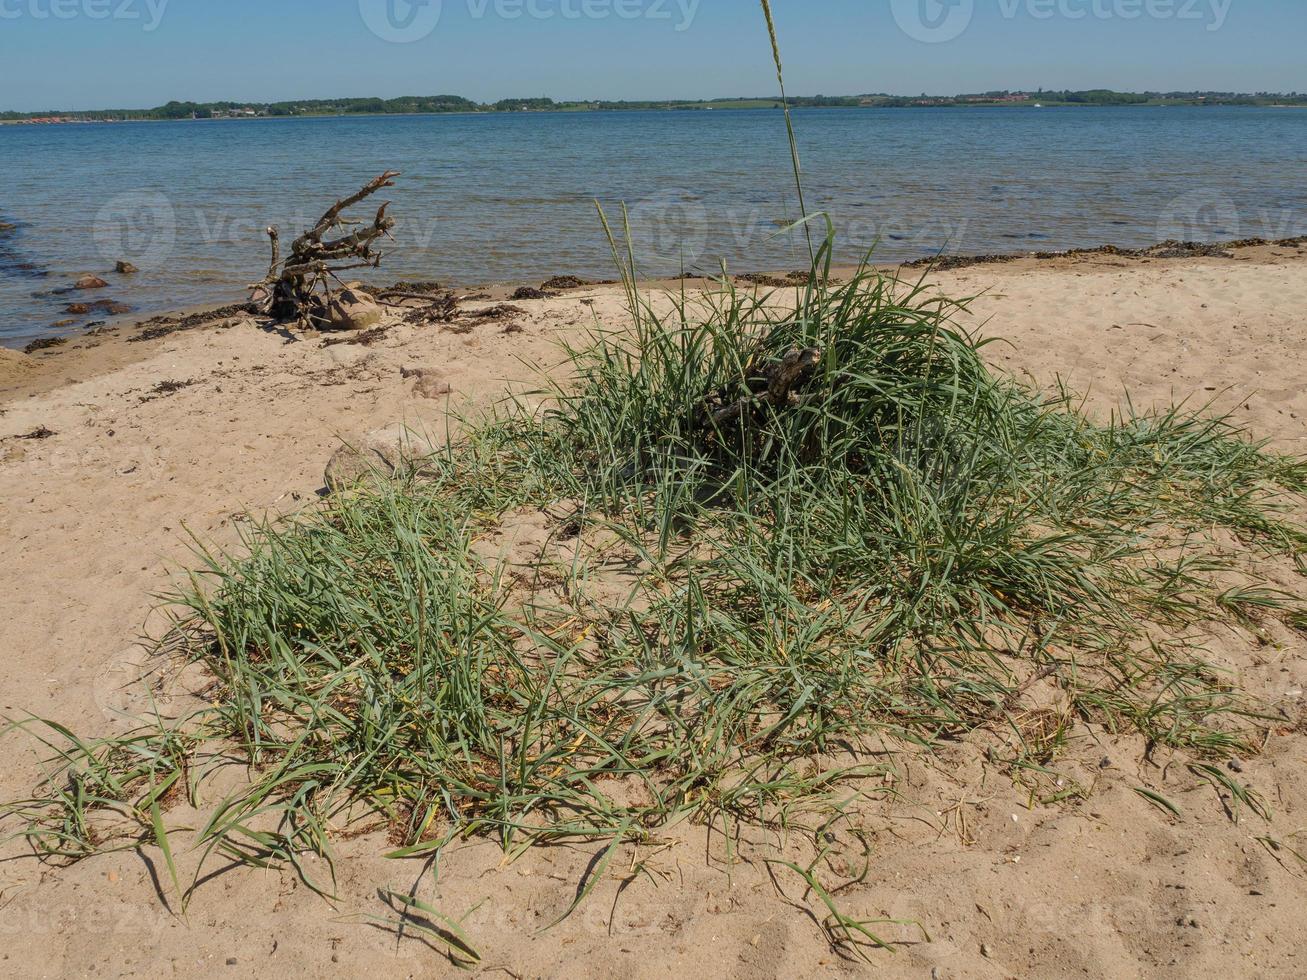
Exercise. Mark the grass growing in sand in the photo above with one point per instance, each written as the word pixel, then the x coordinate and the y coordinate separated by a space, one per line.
pixel 737 620
pixel 743 611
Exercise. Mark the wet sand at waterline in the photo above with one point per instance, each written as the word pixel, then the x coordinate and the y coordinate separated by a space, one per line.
pixel 111 453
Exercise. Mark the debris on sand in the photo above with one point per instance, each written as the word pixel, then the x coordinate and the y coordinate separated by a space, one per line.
pixel 1169 249
pixel 564 282
pixel 44 343
pixel 364 339
pixel 300 288
pixel 419 286
pixel 162 326
pixel 165 388
pixel 773 282
pixel 446 310
pixel 501 311
pixel 530 292
pixel 440 308
pixel 38 434
pixel 947 263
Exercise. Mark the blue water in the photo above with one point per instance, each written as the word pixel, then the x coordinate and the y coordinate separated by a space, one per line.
pixel 488 198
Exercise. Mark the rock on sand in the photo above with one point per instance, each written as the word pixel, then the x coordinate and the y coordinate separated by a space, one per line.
pixel 353 309
pixel 381 455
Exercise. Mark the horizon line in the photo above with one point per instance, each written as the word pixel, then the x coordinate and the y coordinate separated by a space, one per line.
pixel 1029 92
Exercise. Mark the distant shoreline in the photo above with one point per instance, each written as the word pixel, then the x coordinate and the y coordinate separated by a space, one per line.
pixel 458 105
pixel 575 112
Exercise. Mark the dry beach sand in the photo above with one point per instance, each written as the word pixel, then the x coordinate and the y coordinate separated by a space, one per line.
pixel 112 452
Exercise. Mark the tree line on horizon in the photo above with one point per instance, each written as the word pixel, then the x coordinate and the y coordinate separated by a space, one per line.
pixel 412 105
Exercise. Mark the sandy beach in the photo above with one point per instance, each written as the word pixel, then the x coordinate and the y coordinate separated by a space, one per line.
pixel 113 453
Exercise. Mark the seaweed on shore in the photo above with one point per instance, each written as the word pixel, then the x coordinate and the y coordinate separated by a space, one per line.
pixel 163 326
pixel 530 292
pixel 362 338
pixel 1169 249
pixel 564 282
pixel 44 343
pixel 164 389
pixel 424 286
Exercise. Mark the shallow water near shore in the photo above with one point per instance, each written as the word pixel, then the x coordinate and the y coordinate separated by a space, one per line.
pixel 510 196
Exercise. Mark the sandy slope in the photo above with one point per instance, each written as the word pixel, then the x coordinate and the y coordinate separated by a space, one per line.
pixel 94 521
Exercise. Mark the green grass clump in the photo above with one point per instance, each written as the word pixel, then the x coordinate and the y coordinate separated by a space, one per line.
pixel 749 602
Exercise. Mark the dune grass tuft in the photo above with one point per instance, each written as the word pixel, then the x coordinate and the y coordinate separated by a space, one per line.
pixel 896 554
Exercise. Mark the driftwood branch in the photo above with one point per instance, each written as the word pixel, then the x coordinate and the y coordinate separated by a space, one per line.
pixel 775 384
pixel 298 288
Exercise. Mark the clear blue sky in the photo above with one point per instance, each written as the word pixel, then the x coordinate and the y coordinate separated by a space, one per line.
pixel 68 54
